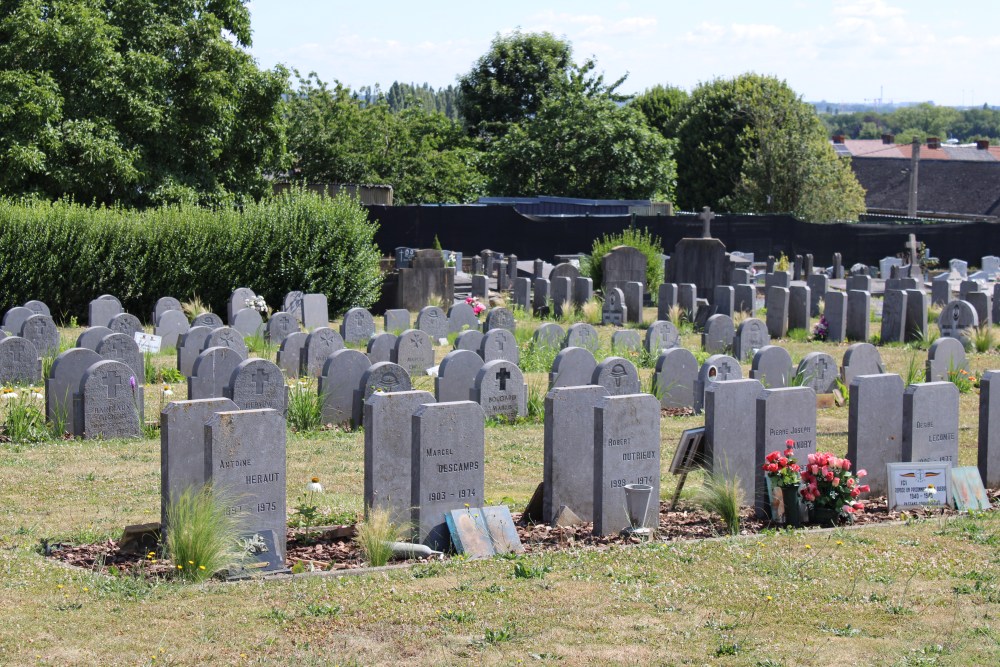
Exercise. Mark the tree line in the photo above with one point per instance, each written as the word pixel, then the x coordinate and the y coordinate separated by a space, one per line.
pixel 143 103
pixel 919 121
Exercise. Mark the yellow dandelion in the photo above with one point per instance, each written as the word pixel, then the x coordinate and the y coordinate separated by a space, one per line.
pixel 201 567
pixel 808 546
pixel 839 542
pixel 180 567
pixel 190 562
pixel 769 598
pixel 85 589
pixel 59 586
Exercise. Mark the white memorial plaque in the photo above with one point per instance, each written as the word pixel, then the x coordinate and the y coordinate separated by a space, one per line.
pixel 919 484
pixel 148 342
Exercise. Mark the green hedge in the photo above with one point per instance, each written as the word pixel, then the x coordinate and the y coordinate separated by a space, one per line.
pixel 66 254
pixel 647 243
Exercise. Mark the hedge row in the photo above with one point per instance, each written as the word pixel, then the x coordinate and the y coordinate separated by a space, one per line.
pixel 66 254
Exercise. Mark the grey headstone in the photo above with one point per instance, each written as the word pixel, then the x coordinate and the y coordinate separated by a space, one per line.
pixel 110 406
pixel 960 266
pixel 945 355
pixel 43 334
pixel 340 387
pixel 456 375
pixel 182 447
pixel 63 383
pixel 687 299
pixel 433 321
pixel 981 302
pixel 241 298
pixel 13 319
pixel 772 365
pixel 572 367
pixel 819 284
pixel 462 317
pixel 619 376
pixel 614 311
pixel 745 299
pixel 858 315
pixel 777 279
pixel 447 457
pixel 893 317
pixel 661 335
pixel 835 312
pixel 126 323
pixel 315 311
pixel 582 335
pixel 750 337
pixel 292 304
pixel 730 418
pixel 875 427
pixel 564 270
pixel 388 451
pixel 957 320
pixel 381 347
pixel 397 320
pixel 499 318
pixel 861 359
pixel 37 307
pixel 777 311
pixel 212 371
pixel 633 300
pixel 210 320
pixel 414 351
pixel 995 315
pixel 940 292
pixel 583 291
pixel 227 337
pixel 101 312
pixel 189 345
pixel 717 338
pixel 91 336
pixel 19 361
pixel 169 327
pixel 290 353
pixel 818 370
pixel 967 287
pixel 622 265
pixel 562 296
pixel 916 315
pixel 666 298
pixel 674 378
pixel 258 384
pixel 989 430
pixel 246 459
pixel 740 277
pixel 549 335
pixel 499 388
pixel 500 344
pixel 786 414
pixel 568 452
pixel 120 347
pixel 626 340
pixel 723 300
pixel 279 326
pixel 930 423
pixel 248 322
pixel 319 345
pixel 522 293
pixel 859 283
pixel 469 340
pixel 384 377
pixel 626 451
pixel 799 307
pixel 480 287
pixel 716 368
pixel 165 303
pixel 358 326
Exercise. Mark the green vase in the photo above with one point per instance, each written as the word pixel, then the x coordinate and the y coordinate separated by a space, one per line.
pixel 824 516
pixel 793 507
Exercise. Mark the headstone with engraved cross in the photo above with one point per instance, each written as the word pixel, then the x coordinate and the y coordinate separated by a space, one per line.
pixel 499 388
pixel 819 371
pixel 19 363
pixel 258 384
pixel 716 368
pixel 109 404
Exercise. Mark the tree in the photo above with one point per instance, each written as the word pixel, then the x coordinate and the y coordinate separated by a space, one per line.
pixel 660 105
pixel 580 146
pixel 749 144
pixel 136 102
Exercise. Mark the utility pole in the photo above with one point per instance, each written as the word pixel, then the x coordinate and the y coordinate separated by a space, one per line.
pixel 911 206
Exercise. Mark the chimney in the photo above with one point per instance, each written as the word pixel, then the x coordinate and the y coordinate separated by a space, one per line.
pixel 983 144
pixel 933 142
pixel 888 138
pixel 838 138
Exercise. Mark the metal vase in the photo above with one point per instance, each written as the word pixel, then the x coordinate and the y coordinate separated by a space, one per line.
pixel 637 503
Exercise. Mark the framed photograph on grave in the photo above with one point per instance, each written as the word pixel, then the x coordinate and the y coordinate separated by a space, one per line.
pixel 967 489
pixel 690 451
pixel 919 484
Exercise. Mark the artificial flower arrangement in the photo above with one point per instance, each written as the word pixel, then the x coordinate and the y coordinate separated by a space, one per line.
pixel 829 483
pixel 782 468
pixel 477 307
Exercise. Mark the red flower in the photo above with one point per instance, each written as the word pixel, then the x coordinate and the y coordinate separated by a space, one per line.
pixel 828 476
pixel 855 493
pixel 789 452
pixel 848 509
pixel 772 457
pixel 790 443
pixel 795 467
pixel 782 461
pixel 836 481
pixel 845 464
pixel 864 488
pixel 862 473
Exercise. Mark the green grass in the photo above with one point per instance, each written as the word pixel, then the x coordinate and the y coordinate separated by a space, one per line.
pixel 202 535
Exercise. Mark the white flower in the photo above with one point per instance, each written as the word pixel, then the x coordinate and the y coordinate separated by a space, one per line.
pixel 314 486
pixel 930 490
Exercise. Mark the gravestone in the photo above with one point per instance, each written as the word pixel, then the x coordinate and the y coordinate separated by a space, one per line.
pixel 381 347
pixel 499 344
pixel 730 418
pixel 989 429
pixel 838 266
pixel 19 363
pixel 623 264
pixel 687 299
pixel 859 283
pixel 43 334
pixel 666 298
pixel 477 266
pixel 717 338
pixel 397 320
pixel 433 321
pixel 242 297
pixel 427 279
pixel 818 370
pixel 210 320
pixel 339 387
pixel 414 351
pixel 626 451
pixel 564 270
pixel 750 337
pixel 893 317
pixel 858 315
pixel 619 376
pixel 745 299
pixel 212 371
pixel 723 300
pixel 499 318
pixel 674 378
pixel 916 315
pixel 835 312
pixel 182 447
pixel 940 292
pixel 499 388
pixel 125 323
pixel 503 277
pixel 981 302
pixel 875 427
pixel 959 266
pixel 777 311
pixel 292 304
pixel 279 326
pixel 189 345
pixel 626 340
pixel 384 377
pixel 945 356
pixel 967 287
pixel 522 293
pixel 799 304
pixel 957 320
pixel 930 423
pixel 37 307
pixel 861 359
pixel 248 322
pixel 549 335
pixel 169 327
pixel 258 384
pixel 777 279
pixel 462 317
pixel 772 366
pixel 633 301
pixel 568 452
pixel 227 337
pixel 319 345
pixel 110 405
pixel 538 269
pixel 245 459
pixel 661 335
pixel 700 261
pixel 716 368
pixel 885 265
pixel 315 311
pixel 469 340
pixel 480 287
pixel 165 303
pixel 797 268
pixel 358 326
pixel 582 335
pixel 540 299
pixel 786 414
pixel 572 367
pixel 388 451
pixel 740 277
pixel 100 312
pixel 583 291
pixel 447 469
pixel 63 384
pixel 119 347
pixel 290 353
pixel 14 319
pixel 561 290
pixel 614 311
pixel 456 375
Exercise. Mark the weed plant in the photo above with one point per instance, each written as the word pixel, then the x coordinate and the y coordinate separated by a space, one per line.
pixel 202 535
pixel 374 536
pixel 720 494
pixel 305 407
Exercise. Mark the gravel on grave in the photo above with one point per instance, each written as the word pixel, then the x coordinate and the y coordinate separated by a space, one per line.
pixel 333 548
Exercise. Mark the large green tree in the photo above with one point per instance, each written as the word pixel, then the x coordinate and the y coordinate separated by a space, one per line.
pixel 661 106
pixel 136 102
pixel 749 144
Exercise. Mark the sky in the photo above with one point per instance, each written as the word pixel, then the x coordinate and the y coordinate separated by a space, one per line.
pixel 834 50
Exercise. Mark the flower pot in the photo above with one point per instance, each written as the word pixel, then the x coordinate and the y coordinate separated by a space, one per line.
pixel 793 506
pixel 824 516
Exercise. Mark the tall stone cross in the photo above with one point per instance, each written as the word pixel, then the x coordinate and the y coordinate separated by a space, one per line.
pixel 913 247
pixel 706 217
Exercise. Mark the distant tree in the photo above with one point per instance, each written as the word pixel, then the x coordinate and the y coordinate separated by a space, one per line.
pixel 749 144
pixel 932 121
pixel 660 105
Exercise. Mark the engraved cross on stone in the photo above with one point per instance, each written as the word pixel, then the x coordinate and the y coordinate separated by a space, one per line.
pixel 913 247
pixel 823 366
pixel 112 385
pixel 706 217
pixel 259 378
pixel 503 375
pixel 725 370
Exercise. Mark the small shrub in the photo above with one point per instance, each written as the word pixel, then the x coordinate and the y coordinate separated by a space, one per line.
pixel 721 495
pixel 591 311
pixel 202 535
pixel 982 338
pixel 305 407
pixel 374 535
pixel 914 371
pixel 644 241
pixel 261 347
pixel 24 421
pixel 194 307
pixel 536 402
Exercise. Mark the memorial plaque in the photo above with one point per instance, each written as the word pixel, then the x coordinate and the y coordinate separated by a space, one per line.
pixel 918 485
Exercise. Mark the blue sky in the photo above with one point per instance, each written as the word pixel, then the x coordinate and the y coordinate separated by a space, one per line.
pixel 838 50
